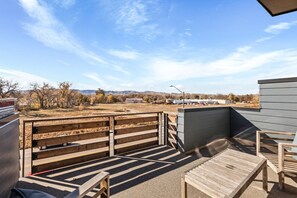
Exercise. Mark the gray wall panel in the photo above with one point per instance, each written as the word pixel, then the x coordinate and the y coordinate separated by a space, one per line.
pixel 286 99
pixel 9 157
pixel 279 106
pixel 271 119
pixel 203 125
pixel 278 85
pixel 278 91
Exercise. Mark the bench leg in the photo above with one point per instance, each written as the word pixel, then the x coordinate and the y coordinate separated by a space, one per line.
pixel 183 187
pixel 265 173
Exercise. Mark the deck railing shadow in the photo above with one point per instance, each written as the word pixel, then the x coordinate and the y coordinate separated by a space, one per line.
pixel 126 171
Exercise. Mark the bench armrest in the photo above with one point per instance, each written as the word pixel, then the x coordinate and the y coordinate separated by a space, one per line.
pixel 101 179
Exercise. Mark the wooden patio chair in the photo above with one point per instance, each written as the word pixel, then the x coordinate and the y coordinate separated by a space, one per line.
pixel 280 150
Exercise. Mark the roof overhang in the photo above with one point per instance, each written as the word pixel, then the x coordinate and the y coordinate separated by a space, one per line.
pixel 278 7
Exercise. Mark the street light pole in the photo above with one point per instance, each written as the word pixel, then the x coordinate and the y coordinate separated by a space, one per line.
pixel 182 92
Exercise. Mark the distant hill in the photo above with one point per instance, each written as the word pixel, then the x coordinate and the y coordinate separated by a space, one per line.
pixel 126 92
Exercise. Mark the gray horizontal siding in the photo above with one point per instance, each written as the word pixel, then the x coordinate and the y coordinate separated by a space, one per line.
pixel 270 119
pixel 280 113
pixel 279 106
pixel 278 91
pixel 282 99
pixel 274 127
pixel 278 85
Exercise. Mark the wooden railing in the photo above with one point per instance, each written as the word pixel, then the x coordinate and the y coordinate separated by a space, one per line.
pixel 59 142
pixel 170 130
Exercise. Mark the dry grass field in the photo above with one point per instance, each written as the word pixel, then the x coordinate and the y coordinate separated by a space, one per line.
pixel 102 109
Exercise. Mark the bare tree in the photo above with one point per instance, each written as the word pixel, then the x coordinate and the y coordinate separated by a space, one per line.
pixel 44 93
pixel 8 88
pixel 67 96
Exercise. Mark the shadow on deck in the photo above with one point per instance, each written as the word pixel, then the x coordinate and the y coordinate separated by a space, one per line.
pixel 153 172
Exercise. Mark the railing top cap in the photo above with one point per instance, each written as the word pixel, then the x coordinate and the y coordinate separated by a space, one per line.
pixel 82 117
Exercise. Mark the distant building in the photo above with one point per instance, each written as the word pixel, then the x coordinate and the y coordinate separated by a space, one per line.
pixel 204 101
pixel 134 100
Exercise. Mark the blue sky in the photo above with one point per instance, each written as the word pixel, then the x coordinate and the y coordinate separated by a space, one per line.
pixel 200 46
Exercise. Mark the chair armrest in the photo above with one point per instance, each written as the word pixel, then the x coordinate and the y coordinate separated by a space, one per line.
pixel 277 133
pixel 281 154
pixel 88 186
pixel 258 137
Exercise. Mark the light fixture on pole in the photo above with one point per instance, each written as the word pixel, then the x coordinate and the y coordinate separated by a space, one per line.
pixel 183 93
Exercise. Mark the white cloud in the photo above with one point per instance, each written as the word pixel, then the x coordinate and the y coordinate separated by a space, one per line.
pixel 260 40
pixel 278 28
pixel 135 16
pixel 242 60
pixel 23 78
pixel 130 55
pixel 48 30
pixel 94 76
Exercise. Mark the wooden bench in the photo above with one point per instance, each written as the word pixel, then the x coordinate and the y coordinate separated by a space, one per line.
pixel 227 174
pixel 99 181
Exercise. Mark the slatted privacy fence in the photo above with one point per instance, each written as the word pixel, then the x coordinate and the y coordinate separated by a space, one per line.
pixel 136 132
pixel 59 142
pixel 170 130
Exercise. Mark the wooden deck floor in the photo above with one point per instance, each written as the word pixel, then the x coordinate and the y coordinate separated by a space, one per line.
pixel 153 172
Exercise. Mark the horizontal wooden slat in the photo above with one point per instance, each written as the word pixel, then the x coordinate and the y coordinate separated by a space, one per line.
pixel 67 150
pixel 278 133
pixel 275 138
pixel 172 118
pixel 136 146
pixel 136 138
pixel 66 162
pixel 172 142
pixel 172 132
pixel 172 127
pixel 69 138
pixel 69 127
pixel 135 129
pixel 173 136
pixel 136 120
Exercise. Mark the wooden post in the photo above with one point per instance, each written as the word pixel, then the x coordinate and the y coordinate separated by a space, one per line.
pixel 111 136
pixel 166 128
pixel 160 128
pixel 176 125
pixel 281 174
pixel 183 187
pixel 265 185
pixel 24 151
pixel 258 142
pixel 32 125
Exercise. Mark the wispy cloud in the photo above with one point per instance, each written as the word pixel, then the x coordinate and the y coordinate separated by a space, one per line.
pixel 278 28
pixel 94 76
pixel 260 40
pixel 48 30
pixel 242 60
pixel 135 16
pixel 23 78
pixel 130 55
